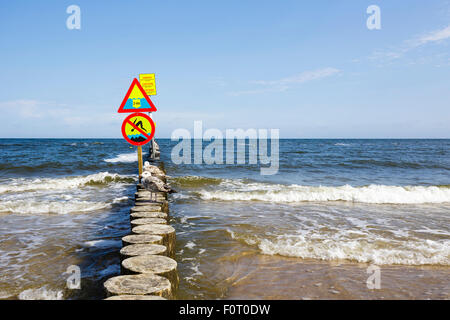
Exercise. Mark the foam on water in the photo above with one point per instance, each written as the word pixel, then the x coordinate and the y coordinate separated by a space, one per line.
pixel 294 193
pixel 58 207
pixel 124 158
pixel 426 252
pixel 120 199
pixel 41 294
pixel 102 243
pixel 5 294
pixel 190 245
pixel 26 185
pixel 340 246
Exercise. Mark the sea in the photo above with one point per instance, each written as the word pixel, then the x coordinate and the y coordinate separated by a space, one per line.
pixel 342 219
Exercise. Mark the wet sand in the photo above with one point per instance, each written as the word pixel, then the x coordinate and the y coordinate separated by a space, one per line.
pixel 256 276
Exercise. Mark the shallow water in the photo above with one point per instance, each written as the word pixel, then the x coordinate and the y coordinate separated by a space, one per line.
pixel 71 209
pixel 310 231
pixel 335 208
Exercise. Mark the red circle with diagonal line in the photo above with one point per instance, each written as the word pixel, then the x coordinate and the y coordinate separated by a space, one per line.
pixel 138 129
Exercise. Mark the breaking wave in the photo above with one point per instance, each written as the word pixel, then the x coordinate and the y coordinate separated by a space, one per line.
pixel 195 181
pixel 364 250
pixel 57 207
pixel 97 179
pixel 124 158
pixel 377 194
pixel 426 252
pixel 41 294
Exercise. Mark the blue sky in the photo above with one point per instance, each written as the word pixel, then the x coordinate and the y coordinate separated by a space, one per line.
pixel 310 68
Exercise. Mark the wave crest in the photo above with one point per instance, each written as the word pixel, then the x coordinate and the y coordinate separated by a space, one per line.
pixel 195 181
pixel 380 251
pixel 97 179
pixel 409 253
pixel 124 158
pixel 41 294
pixel 35 207
pixel 377 194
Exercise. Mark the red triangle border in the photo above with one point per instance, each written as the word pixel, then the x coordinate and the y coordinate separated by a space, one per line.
pixel 152 106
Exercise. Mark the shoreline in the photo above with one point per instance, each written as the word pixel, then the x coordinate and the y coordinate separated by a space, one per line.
pixel 276 277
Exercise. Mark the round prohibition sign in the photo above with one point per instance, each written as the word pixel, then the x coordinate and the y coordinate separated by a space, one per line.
pixel 138 129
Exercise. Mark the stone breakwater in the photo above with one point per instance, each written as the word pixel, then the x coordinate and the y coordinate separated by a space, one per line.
pixel 148 270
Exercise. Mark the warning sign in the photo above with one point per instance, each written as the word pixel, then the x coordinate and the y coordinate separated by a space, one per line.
pixel 138 129
pixel 147 81
pixel 136 100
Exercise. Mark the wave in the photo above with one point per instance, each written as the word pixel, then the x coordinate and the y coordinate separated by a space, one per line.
pixel 410 253
pixel 102 243
pixel 74 166
pixel 195 181
pixel 32 168
pixel 58 207
pixel 377 194
pixel 394 164
pixel 121 199
pixel 123 157
pixel 97 179
pixel 341 247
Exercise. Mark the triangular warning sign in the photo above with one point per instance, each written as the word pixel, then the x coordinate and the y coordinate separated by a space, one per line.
pixel 136 100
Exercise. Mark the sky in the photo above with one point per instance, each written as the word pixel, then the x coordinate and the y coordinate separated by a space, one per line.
pixel 311 69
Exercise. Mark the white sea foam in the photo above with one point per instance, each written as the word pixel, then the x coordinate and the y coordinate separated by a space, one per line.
pixel 342 245
pixel 30 207
pixel 123 157
pixel 190 245
pixel 41 294
pixel 180 196
pixel 195 267
pixel 5 294
pixel 25 185
pixel 414 252
pixel 295 193
pixel 120 199
pixel 103 243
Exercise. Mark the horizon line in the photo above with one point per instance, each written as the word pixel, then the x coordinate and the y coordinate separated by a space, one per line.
pixel 416 138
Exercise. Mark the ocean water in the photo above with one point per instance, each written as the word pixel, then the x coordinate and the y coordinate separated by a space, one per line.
pixel 334 208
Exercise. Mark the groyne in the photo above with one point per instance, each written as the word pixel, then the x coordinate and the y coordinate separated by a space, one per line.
pixel 148 268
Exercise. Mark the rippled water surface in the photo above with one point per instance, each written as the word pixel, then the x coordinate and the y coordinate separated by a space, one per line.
pixel 310 231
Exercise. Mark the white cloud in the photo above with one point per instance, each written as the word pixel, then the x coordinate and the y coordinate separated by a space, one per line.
pixel 436 36
pixel 257 91
pixel 286 83
pixel 301 78
pixel 28 117
pixel 30 109
pixel 24 108
pixel 218 82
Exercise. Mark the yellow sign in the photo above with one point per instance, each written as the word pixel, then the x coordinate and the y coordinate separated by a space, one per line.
pixel 148 83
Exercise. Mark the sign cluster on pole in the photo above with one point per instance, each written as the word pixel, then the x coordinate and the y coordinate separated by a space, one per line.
pixel 138 128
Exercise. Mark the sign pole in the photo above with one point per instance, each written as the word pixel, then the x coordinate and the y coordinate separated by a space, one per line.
pixel 139 151
pixel 138 128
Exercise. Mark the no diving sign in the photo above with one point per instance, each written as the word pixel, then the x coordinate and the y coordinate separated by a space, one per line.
pixel 138 129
